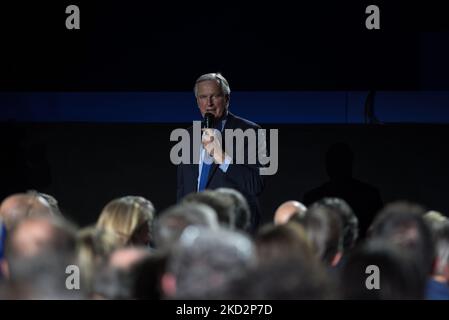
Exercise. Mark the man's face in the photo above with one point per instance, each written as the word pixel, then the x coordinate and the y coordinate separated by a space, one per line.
pixel 210 98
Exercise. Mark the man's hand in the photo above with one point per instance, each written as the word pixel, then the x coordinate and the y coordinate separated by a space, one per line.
pixel 211 141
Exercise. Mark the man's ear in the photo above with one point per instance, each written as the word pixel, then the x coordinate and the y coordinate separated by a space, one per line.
pixel 168 285
pixel 440 268
pixel 4 268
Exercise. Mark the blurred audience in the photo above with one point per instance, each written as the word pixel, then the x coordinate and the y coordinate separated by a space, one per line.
pixel 402 223
pixel 204 248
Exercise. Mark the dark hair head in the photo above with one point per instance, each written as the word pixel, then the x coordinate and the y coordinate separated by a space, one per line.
pixel 282 242
pixel 146 277
pixel 240 208
pixel 221 205
pixel 286 279
pixel 380 270
pixel 402 223
pixel 349 220
pixel 324 229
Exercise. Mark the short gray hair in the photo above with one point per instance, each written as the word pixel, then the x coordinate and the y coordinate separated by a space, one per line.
pixel 206 260
pixel 222 82
pixel 172 222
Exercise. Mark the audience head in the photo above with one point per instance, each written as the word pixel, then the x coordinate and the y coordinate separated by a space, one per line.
pixel 114 279
pixel 324 229
pixel 93 249
pixel 131 273
pixel 350 222
pixel 402 223
pixel 435 220
pixel 130 219
pixel 439 226
pixel 381 270
pixel 204 261
pixel 36 235
pixel 240 208
pixel 19 206
pixel 221 205
pixel 441 265
pixel 287 269
pixel 287 210
pixel 283 242
pixel 147 276
pixel 50 200
pixel 171 222
pixel 38 251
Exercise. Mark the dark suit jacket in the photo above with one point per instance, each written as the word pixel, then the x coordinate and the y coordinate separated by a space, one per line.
pixel 242 177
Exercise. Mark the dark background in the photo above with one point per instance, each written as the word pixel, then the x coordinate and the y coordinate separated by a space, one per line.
pixel 163 46
pixel 86 165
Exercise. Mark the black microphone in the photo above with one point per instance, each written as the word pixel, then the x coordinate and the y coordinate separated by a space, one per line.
pixel 208 121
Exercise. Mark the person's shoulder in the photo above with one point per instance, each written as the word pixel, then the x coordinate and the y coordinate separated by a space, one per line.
pixel 242 122
pixel 363 186
pixel 315 194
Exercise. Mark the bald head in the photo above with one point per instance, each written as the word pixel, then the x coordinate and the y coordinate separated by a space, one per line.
pixel 31 235
pixel 288 209
pixel 16 207
pixel 37 235
pixel 38 250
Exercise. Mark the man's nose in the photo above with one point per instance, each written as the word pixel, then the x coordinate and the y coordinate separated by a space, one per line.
pixel 210 101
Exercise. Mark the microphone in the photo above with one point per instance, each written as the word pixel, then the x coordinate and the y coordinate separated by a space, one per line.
pixel 208 121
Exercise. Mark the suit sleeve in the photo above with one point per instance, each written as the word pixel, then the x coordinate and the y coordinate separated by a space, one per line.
pixel 247 176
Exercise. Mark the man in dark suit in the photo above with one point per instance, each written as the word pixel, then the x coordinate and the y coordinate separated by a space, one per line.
pixel 217 167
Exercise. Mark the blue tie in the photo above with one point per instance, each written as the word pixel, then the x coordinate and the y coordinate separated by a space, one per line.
pixel 205 168
pixel 204 175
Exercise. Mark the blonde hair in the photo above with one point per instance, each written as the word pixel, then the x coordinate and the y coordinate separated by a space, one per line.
pixel 93 248
pixel 123 216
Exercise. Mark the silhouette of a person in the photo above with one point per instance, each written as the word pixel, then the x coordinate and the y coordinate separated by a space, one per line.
pixel 363 198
